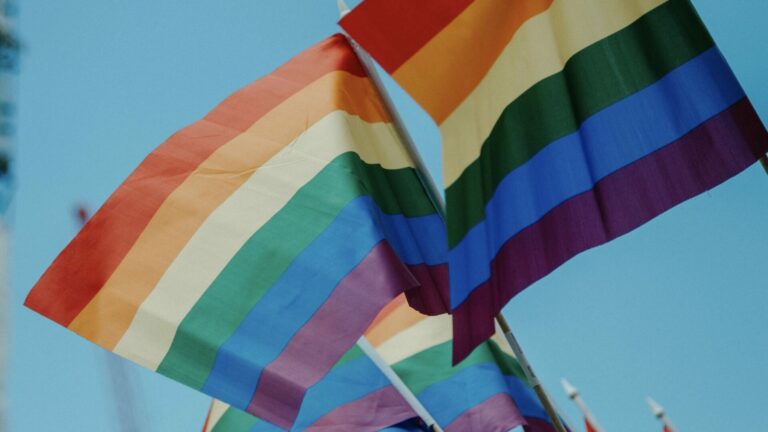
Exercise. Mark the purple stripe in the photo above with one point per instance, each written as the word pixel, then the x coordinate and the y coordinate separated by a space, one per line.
pixel 534 424
pixel 355 302
pixel 497 414
pixel 431 297
pixel 376 411
pixel 716 150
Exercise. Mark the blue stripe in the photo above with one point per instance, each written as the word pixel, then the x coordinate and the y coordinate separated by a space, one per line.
pixel 345 384
pixel 448 399
pixel 302 289
pixel 417 240
pixel 606 142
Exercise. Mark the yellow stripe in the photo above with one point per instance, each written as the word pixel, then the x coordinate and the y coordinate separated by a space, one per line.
pixel 397 320
pixel 539 49
pixel 108 315
pixel 218 409
pixel 423 335
pixel 226 230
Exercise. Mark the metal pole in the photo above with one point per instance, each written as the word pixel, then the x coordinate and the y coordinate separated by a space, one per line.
pixel 398 383
pixel 437 199
pixel 421 170
pixel 433 195
pixel 533 380
pixel 658 411
pixel 575 397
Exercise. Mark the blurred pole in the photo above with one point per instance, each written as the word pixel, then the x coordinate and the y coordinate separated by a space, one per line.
pixel 8 65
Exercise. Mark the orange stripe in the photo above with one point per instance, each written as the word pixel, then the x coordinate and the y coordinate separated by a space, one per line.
pixel 388 309
pixel 440 82
pixel 399 317
pixel 106 318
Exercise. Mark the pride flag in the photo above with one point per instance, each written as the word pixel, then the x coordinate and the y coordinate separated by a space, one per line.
pixel 494 394
pixel 250 251
pixel 355 396
pixel 565 124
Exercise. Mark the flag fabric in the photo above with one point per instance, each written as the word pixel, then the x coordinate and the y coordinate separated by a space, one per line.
pixel 224 418
pixel 354 396
pixel 250 251
pixel 589 426
pixel 494 394
pixel 565 124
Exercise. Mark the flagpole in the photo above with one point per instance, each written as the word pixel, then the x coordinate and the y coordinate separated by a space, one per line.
pixel 530 375
pixel 437 200
pixel 398 383
pixel 658 411
pixel 421 170
pixel 574 395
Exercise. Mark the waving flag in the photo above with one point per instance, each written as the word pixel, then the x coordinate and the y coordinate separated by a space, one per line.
pixel 354 396
pixel 494 393
pixel 250 251
pixel 565 124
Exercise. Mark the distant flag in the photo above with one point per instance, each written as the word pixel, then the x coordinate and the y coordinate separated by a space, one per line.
pixel 485 392
pixel 251 250
pixel 565 124
pixel 589 419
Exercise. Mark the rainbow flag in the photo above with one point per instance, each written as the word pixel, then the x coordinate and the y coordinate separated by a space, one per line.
pixel 494 392
pixel 250 251
pixel 355 397
pixel 565 124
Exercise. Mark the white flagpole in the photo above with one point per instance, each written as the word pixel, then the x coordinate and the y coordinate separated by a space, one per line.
pixel 428 183
pixel 658 411
pixel 421 170
pixel 437 199
pixel 576 398
pixel 398 383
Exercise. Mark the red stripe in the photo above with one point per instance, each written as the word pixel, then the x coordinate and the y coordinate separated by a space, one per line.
pixel 394 30
pixel 373 412
pixel 715 151
pixel 376 281
pixel 80 271
pixel 497 414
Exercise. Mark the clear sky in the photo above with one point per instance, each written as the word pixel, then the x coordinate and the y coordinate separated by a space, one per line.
pixel 677 309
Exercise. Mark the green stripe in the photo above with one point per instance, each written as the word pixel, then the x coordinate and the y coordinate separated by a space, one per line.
pixel 353 354
pixel 235 420
pixel 267 254
pixel 433 365
pixel 594 78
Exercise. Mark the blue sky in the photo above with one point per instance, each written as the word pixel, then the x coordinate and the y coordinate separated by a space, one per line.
pixel 677 309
